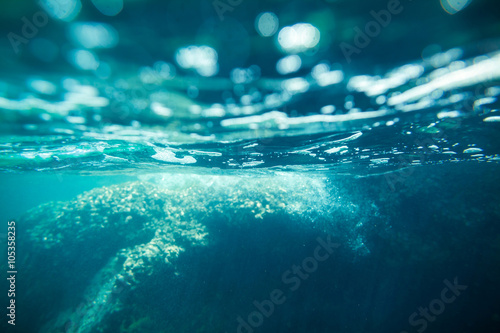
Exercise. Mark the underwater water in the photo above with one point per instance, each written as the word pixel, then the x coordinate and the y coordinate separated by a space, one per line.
pixel 250 166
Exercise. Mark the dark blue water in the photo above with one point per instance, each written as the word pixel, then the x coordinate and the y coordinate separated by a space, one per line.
pixel 250 166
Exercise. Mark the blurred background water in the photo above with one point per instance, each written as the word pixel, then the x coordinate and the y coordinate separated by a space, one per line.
pixel 378 119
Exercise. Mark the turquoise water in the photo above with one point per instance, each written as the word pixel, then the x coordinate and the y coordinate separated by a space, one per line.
pixel 250 166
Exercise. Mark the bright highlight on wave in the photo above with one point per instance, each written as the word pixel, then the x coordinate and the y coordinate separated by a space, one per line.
pixel 298 38
pixel 289 64
pixel 454 6
pixel 83 59
pixel 64 10
pixel 42 86
pixel 375 86
pixel 91 35
pixel 245 75
pixel 322 74
pixel 109 7
pixel 267 24
pixel 482 71
pixel 203 59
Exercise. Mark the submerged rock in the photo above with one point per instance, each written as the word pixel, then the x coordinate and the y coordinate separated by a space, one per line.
pixel 190 253
pixel 117 238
